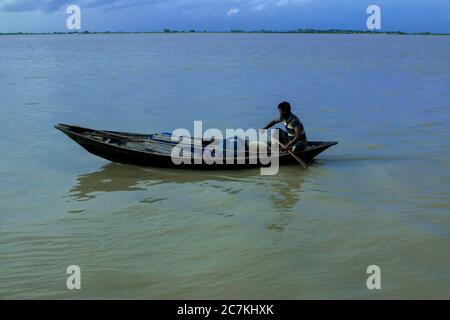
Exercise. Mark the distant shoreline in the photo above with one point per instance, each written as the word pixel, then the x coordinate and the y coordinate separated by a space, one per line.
pixel 298 31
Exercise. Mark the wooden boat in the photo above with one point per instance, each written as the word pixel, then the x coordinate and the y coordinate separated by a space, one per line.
pixel 155 150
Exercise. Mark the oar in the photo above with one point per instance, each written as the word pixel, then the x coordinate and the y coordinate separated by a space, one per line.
pixel 292 154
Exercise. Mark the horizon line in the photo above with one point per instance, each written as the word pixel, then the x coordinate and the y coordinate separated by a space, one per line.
pixel 167 30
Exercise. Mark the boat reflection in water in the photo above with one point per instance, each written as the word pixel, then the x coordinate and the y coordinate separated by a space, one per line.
pixel 282 190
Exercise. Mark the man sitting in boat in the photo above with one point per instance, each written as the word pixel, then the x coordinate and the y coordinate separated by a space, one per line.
pixel 294 138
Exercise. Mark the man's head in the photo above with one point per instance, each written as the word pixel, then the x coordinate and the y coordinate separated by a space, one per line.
pixel 285 109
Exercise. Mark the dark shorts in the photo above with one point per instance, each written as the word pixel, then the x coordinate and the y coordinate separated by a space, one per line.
pixel 285 138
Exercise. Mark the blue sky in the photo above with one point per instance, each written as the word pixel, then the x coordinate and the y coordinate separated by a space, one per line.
pixel 221 15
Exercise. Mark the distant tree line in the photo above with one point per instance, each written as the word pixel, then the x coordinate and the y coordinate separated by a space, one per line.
pixel 305 30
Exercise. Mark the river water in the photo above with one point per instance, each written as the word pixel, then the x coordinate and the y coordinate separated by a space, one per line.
pixel 380 197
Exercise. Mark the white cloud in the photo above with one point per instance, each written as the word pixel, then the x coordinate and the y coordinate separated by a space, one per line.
pixel 259 7
pixel 233 12
pixel 282 3
pixel 50 6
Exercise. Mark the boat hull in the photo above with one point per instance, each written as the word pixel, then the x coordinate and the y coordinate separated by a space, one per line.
pixel 120 154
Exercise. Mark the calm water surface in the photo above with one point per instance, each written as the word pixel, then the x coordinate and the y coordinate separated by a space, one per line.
pixel 380 197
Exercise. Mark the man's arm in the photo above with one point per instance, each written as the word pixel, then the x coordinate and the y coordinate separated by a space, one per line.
pixel 298 136
pixel 272 123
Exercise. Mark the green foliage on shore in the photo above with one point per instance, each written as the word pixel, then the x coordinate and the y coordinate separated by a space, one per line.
pixel 300 31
